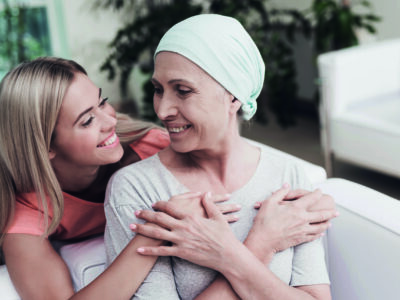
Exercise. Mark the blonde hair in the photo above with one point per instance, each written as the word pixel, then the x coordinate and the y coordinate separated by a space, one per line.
pixel 30 100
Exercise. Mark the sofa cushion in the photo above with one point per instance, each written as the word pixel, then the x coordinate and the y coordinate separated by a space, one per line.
pixel 85 260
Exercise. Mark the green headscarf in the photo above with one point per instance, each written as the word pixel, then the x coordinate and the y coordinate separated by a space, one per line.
pixel 222 48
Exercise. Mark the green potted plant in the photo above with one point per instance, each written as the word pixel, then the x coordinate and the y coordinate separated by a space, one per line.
pixel 330 23
pixel 134 44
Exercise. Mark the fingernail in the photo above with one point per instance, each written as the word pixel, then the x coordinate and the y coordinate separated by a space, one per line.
pixel 137 213
pixel 337 214
pixel 208 194
pixel 285 185
pixel 228 195
pixel 133 226
pixel 238 206
pixel 140 250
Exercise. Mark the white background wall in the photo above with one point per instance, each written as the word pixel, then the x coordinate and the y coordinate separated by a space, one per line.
pixel 89 31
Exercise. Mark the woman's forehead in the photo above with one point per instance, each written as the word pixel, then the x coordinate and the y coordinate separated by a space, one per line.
pixel 173 66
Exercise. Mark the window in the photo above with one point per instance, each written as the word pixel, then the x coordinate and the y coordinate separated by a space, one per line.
pixel 24 32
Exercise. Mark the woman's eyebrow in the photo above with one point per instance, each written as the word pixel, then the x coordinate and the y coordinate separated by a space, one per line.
pixel 86 110
pixel 82 114
pixel 154 81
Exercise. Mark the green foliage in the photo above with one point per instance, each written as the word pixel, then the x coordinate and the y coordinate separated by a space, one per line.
pixel 336 23
pixel 23 34
pixel 273 30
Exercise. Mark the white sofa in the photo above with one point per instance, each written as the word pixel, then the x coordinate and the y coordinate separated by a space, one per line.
pixel 360 106
pixel 362 246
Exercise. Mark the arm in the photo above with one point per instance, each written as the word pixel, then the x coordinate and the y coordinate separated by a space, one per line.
pixel 283 234
pixel 250 277
pixel 28 255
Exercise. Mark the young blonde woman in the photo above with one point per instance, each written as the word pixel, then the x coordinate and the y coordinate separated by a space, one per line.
pixel 60 141
pixel 208 74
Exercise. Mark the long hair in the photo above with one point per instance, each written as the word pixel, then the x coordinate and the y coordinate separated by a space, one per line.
pixel 30 100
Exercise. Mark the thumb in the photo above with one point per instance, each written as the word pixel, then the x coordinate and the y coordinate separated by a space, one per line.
pixel 210 208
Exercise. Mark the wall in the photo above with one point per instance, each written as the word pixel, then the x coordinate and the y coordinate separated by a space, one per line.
pixel 82 33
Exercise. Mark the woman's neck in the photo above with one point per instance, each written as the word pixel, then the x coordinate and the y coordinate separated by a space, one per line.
pixel 90 183
pixel 221 170
pixel 78 180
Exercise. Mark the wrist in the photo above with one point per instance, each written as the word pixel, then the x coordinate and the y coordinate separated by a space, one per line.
pixel 263 252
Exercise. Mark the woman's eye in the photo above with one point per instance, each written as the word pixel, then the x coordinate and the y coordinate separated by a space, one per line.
pixel 183 91
pixel 157 90
pixel 103 101
pixel 88 121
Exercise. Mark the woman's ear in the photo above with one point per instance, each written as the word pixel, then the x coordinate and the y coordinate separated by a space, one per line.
pixel 52 154
pixel 235 104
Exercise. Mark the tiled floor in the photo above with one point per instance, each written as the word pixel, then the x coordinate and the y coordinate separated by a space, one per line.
pixel 303 141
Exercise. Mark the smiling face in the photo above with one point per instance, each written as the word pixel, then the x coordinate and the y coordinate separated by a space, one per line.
pixel 196 110
pixel 85 130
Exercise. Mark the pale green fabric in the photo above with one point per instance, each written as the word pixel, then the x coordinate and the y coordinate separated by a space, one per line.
pixel 222 48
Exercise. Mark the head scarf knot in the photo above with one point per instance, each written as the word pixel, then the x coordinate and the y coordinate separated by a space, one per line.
pixel 222 48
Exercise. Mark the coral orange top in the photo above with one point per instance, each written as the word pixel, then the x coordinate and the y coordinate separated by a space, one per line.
pixel 81 218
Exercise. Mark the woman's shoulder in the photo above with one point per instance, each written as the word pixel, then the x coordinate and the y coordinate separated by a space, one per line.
pixel 28 217
pixel 148 168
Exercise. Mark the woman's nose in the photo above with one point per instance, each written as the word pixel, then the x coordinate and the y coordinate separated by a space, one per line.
pixel 165 108
pixel 108 119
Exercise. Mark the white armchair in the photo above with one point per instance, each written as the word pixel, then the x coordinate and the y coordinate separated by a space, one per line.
pixel 360 106
pixel 362 247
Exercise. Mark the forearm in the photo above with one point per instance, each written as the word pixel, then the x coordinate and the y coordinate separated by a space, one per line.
pixel 124 275
pixel 251 279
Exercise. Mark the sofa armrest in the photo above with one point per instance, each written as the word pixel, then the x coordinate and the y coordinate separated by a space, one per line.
pixel 362 246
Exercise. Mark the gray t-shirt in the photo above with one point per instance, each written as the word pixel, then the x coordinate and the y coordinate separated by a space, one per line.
pixel 139 185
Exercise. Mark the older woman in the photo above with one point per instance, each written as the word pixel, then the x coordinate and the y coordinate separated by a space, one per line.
pixel 208 74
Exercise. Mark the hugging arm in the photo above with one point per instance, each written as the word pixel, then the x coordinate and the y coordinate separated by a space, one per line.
pixel 249 277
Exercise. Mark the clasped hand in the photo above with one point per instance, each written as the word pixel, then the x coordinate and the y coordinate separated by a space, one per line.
pixel 197 225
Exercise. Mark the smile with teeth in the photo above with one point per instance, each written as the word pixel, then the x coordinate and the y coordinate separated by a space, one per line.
pixel 178 129
pixel 111 140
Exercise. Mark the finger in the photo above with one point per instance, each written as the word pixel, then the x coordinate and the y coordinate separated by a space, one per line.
pixel 220 197
pixel 170 208
pixel 231 218
pixel 307 200
pixel 158 218
pixel 158 251
pixel 154 232
pixel 228 208
pixel 322 216
pixel 211 209
pixel 280 194
pixel 294 194
pixel 318 228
